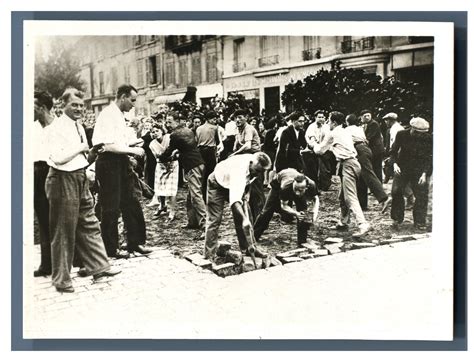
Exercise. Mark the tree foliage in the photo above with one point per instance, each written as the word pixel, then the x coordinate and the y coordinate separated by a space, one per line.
pixel 351 90
pixel 59 71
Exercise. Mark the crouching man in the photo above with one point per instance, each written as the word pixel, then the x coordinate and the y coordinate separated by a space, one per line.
pixel 289 186
pixel 232 180
pixel 72 222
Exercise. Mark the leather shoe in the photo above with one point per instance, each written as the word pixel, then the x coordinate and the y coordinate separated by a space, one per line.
pixel 258 253
pixel 107 273
pixel 140 249
pixel 420 227
pixel 82 272
pixel 121 254
pixel 339 227
pixel 363 229
pixel 68 289
pixel 41 273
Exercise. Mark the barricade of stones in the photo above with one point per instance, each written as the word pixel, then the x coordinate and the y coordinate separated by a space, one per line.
pixel 232 262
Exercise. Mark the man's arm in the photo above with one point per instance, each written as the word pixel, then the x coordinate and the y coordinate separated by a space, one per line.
pixel 325 145
pixel 168 155
pixel 315 209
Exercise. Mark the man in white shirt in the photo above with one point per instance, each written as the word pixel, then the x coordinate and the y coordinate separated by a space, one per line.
pixel 116 185
pixel 231 181
pixel 73 224
pixel 43 118
pixel 394 127
pixel 340 143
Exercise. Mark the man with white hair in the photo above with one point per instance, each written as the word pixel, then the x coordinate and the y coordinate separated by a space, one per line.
pixel 232 180
pixel 412 157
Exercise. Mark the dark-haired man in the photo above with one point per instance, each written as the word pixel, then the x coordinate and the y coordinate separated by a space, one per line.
pixel 373 133
pixel 43 118
pixel 341 144
pixel 292 142
pixel 73 224
pixel 115 183
pixel 183 147
pixel 289 186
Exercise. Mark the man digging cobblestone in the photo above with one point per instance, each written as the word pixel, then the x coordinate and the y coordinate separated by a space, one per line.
pixel 289 186
pixel 232 180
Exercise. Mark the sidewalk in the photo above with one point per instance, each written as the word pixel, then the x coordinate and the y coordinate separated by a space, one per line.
pixel 385 292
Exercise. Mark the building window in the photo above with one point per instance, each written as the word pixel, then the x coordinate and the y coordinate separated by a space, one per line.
pixel 152 70
pixel 101 83
pixel 238 65
pixel 139 73
pixel 126 74
pixel 196 70
pixel 170 74
pixel 183 73
pixel 311 48
pixel 114 78
pixel 139 40
pixel 268 51
pixel 211 70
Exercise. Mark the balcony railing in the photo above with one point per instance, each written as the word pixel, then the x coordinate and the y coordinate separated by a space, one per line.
pixel 238 67
pixel 420 39
pixel 266 61
pixel 310 54
pixel 349 46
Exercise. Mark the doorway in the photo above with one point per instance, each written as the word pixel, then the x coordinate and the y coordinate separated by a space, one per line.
pixel 272 100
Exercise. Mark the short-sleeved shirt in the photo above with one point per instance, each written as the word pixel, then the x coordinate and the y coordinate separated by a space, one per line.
pixel 64 136
pixel 233 174
pixel 110 127
pixel 284 182
pixel 40 142
pixel 248 133
pixel 206 135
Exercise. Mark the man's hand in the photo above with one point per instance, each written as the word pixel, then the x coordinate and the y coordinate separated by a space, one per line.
pixel 396 169
pixel 299 215
pixel 422 179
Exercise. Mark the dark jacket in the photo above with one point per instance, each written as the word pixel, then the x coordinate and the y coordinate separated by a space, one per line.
pixel 183 140
pixel 413 154
pixel 288 154
pixel 374 137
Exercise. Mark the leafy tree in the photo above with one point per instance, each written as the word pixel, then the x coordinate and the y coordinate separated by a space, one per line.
pixel 351 90
pixel 59 70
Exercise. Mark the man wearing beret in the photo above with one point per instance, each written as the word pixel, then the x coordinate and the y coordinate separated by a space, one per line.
pixel 412 157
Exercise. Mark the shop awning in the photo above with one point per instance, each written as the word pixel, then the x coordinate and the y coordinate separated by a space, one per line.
pixel 168 98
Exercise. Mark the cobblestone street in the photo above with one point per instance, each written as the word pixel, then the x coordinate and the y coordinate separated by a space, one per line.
pixel 385 292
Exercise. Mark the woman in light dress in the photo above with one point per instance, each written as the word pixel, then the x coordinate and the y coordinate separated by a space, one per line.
pixel 166 173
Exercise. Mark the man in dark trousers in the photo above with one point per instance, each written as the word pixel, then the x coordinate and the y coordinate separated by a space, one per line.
pixel 289 186
pixel 43 118
pixel 292 142
pixel 208 141
pixel 375 140
pixel 412 157
pixel 183 146
pixel 115 182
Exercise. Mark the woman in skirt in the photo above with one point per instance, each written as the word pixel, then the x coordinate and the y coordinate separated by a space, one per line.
pixel 166 173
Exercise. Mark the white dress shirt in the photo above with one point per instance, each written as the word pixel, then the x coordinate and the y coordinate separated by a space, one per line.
pixel 64 136
pixel 316 133
pixel 233 174
pixel 40 142
pixel 110 127
pixel 357 133
pixel 339 142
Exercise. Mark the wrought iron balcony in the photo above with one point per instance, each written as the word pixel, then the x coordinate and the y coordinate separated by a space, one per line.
pixel 349 46
pixel 238 67
pixel 310 54
pixel 266 61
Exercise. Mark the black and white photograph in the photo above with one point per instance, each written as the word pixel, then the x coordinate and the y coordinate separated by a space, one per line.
pixel 238 180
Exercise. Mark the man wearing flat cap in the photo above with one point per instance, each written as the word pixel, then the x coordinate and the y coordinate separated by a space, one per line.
pixel 393 125
pixel 412 157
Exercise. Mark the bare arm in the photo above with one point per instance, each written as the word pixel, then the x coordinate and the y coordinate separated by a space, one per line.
pixel 124 150
pixel 60 158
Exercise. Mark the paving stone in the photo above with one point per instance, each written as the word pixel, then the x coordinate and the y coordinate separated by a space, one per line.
pixel 223 248
pixel 225 270
pixel 291 253
pixel 291 259
pixel 335 248
pixel 360 245
pixel 198 260
pixel 403 237
pixel 248 265
pixel 234 256
pixel 274 261
pixel 308 256
pixel 333 240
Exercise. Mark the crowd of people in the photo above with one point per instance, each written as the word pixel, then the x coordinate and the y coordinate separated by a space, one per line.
pixel 90 172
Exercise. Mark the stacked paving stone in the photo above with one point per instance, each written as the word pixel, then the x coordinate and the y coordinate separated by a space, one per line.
pixel 232 262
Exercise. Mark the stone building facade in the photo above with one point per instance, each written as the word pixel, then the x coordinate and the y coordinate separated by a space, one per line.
pixel 259 67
